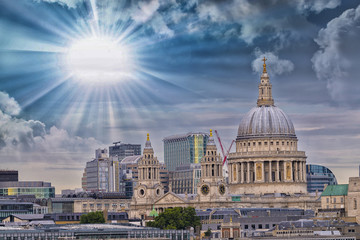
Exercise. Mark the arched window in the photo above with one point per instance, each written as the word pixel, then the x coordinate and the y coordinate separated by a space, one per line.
pixel 355 204
pixel 213 170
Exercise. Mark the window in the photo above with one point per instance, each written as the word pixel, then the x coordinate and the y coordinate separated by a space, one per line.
pixel 259 143
pixel 271 143
pixel 355 204
pixel 327 200
pixel 283 143
pixel 246 226
pixel 260 226
pixel 265 143
pixel 334 200
pixel 277 143
pixel 254 143
pixel 342 200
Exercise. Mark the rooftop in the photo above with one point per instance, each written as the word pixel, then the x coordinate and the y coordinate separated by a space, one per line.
pixel 336 190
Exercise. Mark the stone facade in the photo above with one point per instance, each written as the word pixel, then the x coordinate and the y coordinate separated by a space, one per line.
pixel 353 198
pixel 267 159
pixel 267 170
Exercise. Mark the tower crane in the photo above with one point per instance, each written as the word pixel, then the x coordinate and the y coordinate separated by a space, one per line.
pixel 222 148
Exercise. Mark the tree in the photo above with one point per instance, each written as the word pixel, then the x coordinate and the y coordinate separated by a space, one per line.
pixel 176 218
pixel 208 233
pixel 93 217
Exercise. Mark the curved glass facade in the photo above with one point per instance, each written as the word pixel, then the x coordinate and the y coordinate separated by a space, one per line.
pixel 317 176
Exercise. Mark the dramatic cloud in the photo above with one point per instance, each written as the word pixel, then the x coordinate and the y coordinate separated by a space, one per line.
pixel 276 66
pixel 8 105
pixel 256 18
pixel 337 60
pixel 67 3
pixel 317 6
pixel 21 135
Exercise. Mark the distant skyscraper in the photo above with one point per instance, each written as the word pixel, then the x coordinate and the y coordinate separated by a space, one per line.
pixel 184 149
pixel 122 150
pixel 317 176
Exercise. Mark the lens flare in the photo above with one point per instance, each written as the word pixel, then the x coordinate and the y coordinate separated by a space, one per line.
pixel 99 60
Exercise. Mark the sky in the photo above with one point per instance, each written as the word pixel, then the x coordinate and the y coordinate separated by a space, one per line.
pixel 77 75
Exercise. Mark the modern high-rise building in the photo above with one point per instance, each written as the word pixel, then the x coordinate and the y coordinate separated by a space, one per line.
pixel 184 149
pixel 102 173
pixel 185 178
pixel 121 150
pixel 318 176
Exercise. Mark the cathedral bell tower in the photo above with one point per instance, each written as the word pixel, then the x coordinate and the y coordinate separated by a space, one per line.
pixel 212 186
pixel 265 95
pixel 149 187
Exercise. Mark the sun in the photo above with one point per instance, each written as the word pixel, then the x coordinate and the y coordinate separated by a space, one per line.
pixel 99 60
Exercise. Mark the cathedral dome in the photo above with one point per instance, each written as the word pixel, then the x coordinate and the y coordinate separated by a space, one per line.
pixel 266 121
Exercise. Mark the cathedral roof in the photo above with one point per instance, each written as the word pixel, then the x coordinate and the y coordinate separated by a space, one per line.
pixel 265 120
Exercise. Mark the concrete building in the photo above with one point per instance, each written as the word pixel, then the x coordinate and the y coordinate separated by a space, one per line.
pixel 185 178
pixel 93 231
pixel 246 221
pixel 184 149
pixel 266 159
pixel 341 201
pixel 102 173
pixel 121 150
pixel 9 176
pixel 318 177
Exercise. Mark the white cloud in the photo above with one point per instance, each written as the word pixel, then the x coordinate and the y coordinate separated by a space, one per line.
pixel 336 61
pixel 275 65
pixel 144 10
pixel 317 6
pixel 68 3
pixel 8 105
pixel 20 135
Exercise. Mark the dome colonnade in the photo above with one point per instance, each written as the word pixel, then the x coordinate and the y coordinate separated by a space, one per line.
pixel 266 159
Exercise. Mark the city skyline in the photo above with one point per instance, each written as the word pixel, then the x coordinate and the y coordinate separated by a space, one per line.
pixel 77 75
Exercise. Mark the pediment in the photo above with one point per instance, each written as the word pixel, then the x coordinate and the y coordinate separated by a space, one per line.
pixel 170 197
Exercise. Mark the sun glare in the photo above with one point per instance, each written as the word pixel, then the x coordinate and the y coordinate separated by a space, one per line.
pixel 99 60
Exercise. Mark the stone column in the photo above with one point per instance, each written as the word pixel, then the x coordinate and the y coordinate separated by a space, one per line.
pixel 263 171
pixel 230 172
pixel 270 171
pixel 248 172
pixel 242 172
pixel 304 170
pixel 277 171
pixel 284 177
pixel 236 173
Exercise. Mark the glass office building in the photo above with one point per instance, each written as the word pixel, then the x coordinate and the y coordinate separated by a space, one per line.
pixel 37 188
pixel 185 178
pixel 184 149
pixel 317 176
pixel 122 150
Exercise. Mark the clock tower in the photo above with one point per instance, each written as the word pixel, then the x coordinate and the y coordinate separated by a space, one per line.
pixel 212 185
pixel 148 188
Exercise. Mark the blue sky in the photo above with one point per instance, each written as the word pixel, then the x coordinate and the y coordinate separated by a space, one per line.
pixel 184 66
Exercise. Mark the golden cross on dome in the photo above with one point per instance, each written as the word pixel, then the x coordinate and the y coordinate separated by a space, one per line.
pixel 264 65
